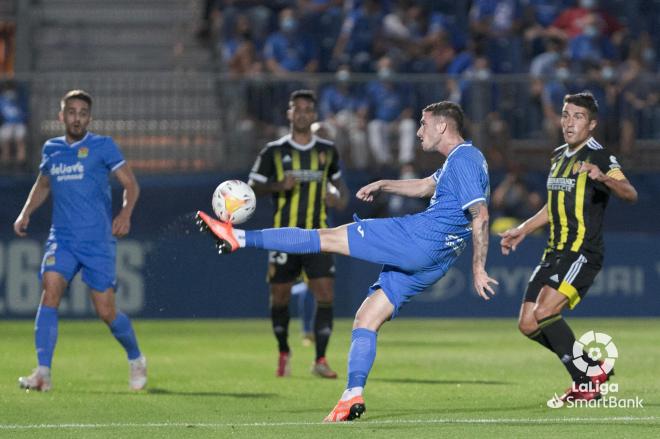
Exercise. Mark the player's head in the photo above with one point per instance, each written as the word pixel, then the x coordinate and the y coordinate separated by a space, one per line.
pixel 76 113
pixel 302 110
pixel 440 121
pixel 578 117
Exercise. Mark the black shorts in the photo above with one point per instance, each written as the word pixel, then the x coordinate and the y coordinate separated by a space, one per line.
pixel 285 267
pixel 570 273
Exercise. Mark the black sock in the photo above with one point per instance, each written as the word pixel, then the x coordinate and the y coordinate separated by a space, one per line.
pixel 540 338
pixel 280 318
pixel 322 327
pixel 561 338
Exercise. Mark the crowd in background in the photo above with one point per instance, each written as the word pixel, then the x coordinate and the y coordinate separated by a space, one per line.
pixel 558 46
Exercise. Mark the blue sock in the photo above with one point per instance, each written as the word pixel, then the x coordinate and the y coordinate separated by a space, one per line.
pixel 285 239
pixel 45 334
pixel 122 329
pixel 361 356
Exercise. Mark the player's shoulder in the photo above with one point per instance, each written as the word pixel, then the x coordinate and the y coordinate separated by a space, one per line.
pixel 466 151
pixel 98 139
pixel 559 150
pixel 55 142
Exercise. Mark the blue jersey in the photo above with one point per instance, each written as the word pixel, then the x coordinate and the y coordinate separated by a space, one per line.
pixel 78 175
pixel 446 223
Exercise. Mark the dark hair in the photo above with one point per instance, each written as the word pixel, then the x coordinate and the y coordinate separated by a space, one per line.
pixel 585 100
pixel 449 110
pixel 76 94
pixel 302 94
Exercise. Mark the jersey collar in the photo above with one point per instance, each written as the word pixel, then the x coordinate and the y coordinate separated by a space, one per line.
pixel 568 153
pixel 74 144
pixel 458 147
pixel 299 146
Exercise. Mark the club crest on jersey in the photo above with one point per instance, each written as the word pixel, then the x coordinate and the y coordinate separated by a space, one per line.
pixel 83 152
pixel 322 158
pixel 50 260
pixel 576 167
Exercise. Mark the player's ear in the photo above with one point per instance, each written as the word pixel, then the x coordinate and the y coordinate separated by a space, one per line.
pixel 289 114
pixel 592 124
pixel 60 116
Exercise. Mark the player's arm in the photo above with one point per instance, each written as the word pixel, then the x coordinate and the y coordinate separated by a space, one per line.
pixel 121 225
pixel 512 237
pixel 286 184
pixel 38 194
pixel 337 194
pixel 614 179
pixel 479 213
pixel 414 188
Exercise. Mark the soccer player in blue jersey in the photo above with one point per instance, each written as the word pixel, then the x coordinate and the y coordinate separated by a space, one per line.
pixel 75 169
pixel 415 250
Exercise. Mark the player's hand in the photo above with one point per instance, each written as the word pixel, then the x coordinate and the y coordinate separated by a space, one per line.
pixel 510 240
pixel 368 192
pixel 21 225
pixel 332 196
pixel 287 183
pixel 594 171
pixel 121 225
pixel 482 284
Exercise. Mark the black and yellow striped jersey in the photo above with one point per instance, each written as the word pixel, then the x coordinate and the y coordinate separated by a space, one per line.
pixel 313 166
pixel 576 203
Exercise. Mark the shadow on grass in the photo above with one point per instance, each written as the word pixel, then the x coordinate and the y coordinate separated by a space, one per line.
pixel 416 381
pixel 161 391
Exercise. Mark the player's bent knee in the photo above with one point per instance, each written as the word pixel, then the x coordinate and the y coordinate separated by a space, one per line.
pixel 527 326
pixel 541 312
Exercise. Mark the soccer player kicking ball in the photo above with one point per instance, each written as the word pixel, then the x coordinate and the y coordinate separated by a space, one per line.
pixel 75 169
pixel 415 250
pixel 582 176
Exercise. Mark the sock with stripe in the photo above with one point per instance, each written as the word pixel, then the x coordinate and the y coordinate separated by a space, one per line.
pixel 322 327
pixel 280 318
pixel 540 338
pixel 561 339
pixel 45 334
pixel 285 239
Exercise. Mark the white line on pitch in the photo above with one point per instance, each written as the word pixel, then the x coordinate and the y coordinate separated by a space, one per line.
pixel 294 424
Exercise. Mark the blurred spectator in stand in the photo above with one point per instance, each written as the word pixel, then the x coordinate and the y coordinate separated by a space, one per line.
pixel 538 16
pixel 224 13
pixel 552 99
pixel 7 47
pixel 322 20
pixel 239 51
pixel 360 38
pixel 391 112
pixel 543 65
pixel 542 68
pixel 13 128
pixel 638 98
pixel 573 22
pixel 344 109
pixel 512 200
pixel 592 45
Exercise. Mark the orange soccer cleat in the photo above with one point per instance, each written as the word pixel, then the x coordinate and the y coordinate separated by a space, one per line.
pixel 347 410
pixel 223 232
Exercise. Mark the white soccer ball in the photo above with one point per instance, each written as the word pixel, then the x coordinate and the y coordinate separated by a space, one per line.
pixel 234 201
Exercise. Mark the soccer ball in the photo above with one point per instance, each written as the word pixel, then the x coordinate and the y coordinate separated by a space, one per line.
pixel 234 201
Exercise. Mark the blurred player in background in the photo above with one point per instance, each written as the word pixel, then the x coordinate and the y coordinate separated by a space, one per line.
pixel 75 169
pixel 301 171
pixel 416 250
pixel 582 176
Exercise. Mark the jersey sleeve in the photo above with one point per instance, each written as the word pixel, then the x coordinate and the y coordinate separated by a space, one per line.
pixel 45 159
pixel 263 169
pixel 466 179
pixel 608 165
pixel 112 156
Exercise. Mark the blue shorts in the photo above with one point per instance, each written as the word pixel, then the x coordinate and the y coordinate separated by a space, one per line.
pixel 96 259
pixel 407 269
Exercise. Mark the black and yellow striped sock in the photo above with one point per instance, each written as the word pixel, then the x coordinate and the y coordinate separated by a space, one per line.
pixel 561 339
pixel 540 338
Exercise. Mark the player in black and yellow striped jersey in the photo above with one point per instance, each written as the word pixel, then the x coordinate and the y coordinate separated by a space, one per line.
pixel 582 176
pixel 301 171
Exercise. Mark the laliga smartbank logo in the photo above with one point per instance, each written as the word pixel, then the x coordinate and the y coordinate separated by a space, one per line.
pixel 597 391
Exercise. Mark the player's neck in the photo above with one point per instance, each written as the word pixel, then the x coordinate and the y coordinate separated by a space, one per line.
pixel 450 144
pixel 71 140
pixel 301 138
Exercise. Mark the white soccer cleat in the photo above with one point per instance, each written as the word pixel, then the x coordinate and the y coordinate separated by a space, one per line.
pixel 39 380
pixel 138 373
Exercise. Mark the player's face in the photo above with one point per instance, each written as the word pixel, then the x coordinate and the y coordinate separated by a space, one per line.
pixel 575 124
pixel 75 116
pixel 431 129
pixel 302 114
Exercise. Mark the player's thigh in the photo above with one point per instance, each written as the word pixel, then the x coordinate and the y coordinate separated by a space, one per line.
pixel 549 303
pixel 335 240
pixel 573 273
pixel 98 263
pixel 320 272
pixel 323 289
pixel 385 241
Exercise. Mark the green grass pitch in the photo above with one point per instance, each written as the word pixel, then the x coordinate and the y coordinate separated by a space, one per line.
pixel 215 378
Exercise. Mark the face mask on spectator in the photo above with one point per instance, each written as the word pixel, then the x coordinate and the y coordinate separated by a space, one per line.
pixel 288 25
pixel 385 73
pixel 607 73
pixel 343 75
pixel 589 4
pixel 591 31
pixel 648 54
pixel 482 74
pixel 562 73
